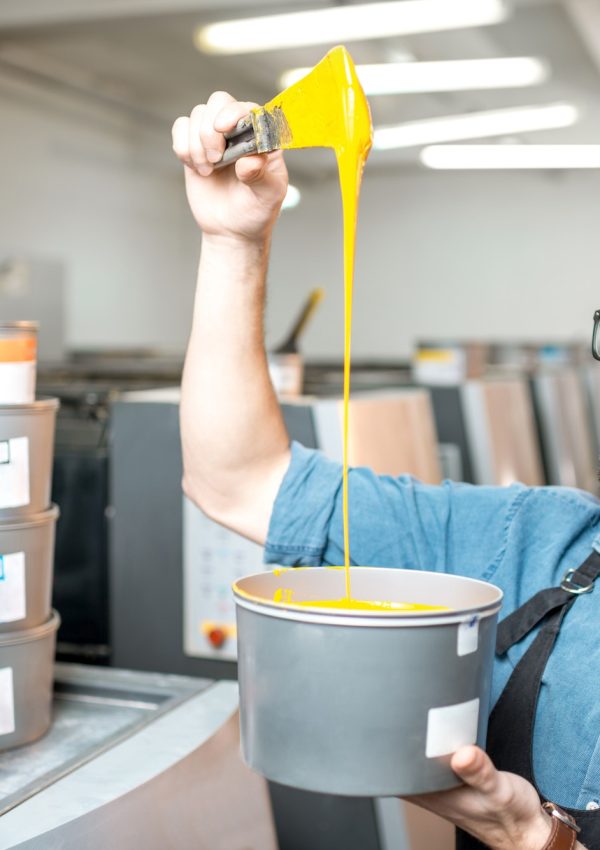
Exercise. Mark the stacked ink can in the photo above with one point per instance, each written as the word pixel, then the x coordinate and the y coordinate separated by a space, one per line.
pixel 28 625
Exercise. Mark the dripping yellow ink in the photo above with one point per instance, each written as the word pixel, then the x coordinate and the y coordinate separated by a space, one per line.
pixel 328 108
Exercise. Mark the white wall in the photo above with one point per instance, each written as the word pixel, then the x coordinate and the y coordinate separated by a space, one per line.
pixel 502 255
pixel 489 255
pixel 94 189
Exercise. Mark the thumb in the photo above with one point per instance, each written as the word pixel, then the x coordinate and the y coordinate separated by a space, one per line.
pixel 250 169
pixel 475 768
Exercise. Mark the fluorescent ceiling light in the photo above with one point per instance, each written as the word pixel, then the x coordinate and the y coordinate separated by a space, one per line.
pixel 341 24
pixel 511 156
pixel 292 198
pixel 476 125
pixel 460 75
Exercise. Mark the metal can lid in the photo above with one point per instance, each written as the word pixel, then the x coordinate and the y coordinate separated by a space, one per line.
pixel 35 633
pixel 32 327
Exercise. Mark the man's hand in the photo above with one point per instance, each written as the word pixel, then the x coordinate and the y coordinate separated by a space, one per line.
pixel 240 201
pixel 501 809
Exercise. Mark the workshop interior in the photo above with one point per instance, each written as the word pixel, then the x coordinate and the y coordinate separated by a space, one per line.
pixel 475 286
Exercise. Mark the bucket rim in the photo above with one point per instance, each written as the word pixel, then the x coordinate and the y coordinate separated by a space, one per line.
pixel 40 405
pixel 29 520
pixel 35 633
pixel 379 619
pixel 20 325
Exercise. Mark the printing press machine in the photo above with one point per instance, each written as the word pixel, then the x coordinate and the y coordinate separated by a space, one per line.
pixel 178 565
pixel 99 474
pixel 135 760
pixel 181 565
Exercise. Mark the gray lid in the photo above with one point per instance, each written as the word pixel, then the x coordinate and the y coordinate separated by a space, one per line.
pixel 21 522
pixel 39 406
pixel 27 635
pixel 19 326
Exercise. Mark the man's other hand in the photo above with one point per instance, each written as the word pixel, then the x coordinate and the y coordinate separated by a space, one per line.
pixel 240 201
pixel 501 809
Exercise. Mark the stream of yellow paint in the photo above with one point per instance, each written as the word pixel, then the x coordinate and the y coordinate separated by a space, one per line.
pixel 328 108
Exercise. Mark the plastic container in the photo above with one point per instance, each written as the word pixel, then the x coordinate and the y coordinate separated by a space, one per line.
pixel 18 362
pixel 363 704
pixel 287 374
pixel 26 567
pixel 26 675
pixel 26 454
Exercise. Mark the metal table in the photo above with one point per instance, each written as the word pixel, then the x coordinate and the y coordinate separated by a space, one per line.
pixel 134 760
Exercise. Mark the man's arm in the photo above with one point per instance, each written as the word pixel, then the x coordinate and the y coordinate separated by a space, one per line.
pixel 235 444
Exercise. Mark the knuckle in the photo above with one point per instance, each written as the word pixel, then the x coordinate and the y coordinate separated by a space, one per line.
pixel 180 150
pixel 197 112
pixel 219 97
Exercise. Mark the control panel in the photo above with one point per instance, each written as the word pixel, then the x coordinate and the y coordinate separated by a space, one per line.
pixel 213 558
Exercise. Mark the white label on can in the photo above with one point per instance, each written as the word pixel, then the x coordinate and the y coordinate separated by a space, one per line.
pixel 451 727
pixel 17 382
pixel 7 701
pixel 14 472
pixel 468 637
pixel 12 587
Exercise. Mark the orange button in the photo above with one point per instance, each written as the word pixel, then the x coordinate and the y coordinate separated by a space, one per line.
pixel 217 637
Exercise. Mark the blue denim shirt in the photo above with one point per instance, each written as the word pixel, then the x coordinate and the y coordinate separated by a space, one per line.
pixel 522 539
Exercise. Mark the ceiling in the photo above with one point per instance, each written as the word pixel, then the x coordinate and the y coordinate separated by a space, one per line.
pixel 137 56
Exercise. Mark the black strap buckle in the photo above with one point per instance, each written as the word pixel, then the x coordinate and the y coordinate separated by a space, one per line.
pixel 576 587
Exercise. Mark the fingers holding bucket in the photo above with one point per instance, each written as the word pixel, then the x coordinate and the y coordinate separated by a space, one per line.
pixel 475 768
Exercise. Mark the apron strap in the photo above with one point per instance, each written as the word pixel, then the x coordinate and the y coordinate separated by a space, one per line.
pixel 512 721
pixel 518 624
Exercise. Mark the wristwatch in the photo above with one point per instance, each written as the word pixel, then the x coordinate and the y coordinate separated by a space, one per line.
pixel 564 829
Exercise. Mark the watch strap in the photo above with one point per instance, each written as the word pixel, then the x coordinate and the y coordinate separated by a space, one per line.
pixel 564 829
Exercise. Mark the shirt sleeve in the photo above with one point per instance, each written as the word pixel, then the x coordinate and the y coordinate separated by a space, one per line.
pixel 394 522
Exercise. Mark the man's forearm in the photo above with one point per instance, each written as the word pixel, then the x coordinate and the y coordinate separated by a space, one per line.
pixel 235 444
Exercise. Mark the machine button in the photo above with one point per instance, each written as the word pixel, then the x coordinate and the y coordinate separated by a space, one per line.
pixel 217 637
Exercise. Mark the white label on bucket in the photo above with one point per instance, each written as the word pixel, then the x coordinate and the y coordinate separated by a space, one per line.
pixel 17 382
pixel 14 472
pixel 451 727
pixel 468 637
pixel 12 587
pixel 7 701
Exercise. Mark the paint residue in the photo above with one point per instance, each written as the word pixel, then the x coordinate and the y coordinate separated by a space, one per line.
pixel 345 604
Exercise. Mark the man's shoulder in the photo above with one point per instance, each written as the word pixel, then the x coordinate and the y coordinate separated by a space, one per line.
pixel 523 495
pixel 557 513
pixel 564 497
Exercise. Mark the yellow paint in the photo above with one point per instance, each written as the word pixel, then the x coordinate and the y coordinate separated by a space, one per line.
pixel 283 595
pixel 328 108
pixel 435 355
pixel 365 605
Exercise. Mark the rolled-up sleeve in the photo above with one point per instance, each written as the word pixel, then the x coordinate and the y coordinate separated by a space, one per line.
pixel 394 522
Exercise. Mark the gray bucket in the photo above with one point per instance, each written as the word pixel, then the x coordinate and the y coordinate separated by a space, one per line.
pixel 363 704
pixel 26 567
pixel 26 454
pixel 26 675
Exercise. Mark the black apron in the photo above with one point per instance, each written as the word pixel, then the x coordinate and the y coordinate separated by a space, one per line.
pixel 510 731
